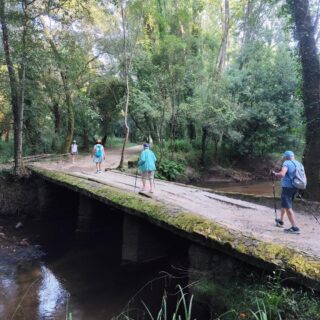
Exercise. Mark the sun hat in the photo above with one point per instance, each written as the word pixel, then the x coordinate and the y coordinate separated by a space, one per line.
pixel 288 154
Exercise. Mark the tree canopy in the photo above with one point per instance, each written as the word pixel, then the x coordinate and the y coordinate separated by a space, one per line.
pixel 224 76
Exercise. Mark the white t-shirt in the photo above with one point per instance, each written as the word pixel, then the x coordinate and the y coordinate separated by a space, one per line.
pixel 74 148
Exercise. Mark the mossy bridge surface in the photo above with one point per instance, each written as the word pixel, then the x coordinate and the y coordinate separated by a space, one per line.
pixel 238 228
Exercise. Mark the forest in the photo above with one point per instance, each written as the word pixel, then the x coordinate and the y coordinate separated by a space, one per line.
pixel 217 81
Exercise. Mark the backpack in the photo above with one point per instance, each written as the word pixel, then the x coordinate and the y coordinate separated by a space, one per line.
pixel 98 150
pixel 299 180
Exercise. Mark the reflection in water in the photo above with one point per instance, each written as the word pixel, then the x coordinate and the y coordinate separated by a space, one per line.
pixel 88 278
pixel 28 288
pixel 51 293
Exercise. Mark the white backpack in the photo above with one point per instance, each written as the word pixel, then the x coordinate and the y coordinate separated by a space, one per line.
pixel 299 180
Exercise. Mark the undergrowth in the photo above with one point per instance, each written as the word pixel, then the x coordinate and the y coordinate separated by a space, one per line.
pixel 6 151
pixel 263 301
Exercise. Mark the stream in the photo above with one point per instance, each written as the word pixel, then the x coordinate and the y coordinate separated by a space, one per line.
pixel 84 278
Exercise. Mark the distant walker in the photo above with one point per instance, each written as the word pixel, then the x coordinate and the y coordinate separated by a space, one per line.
pixel 147 166
pixel 98 155
pixel 74 150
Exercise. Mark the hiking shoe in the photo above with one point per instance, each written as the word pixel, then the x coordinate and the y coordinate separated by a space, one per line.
pixel 294 230
pixel 279 223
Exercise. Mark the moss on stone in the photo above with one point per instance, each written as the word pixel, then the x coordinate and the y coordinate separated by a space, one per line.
pixel 194 224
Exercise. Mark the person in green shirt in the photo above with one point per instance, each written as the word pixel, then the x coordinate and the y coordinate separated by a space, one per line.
pixel 147 166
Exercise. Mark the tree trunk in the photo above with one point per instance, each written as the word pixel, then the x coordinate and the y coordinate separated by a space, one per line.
pixel 66 86
pixel 70 114
pixel 224 42
pixel 311 92
pixel 57 118
pixel 125 122
pixel 85 139
pixel 126 65
pixel 17 106
pixel 204 144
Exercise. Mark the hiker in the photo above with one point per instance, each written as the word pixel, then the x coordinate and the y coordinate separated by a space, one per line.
pixel 147 166
pixel 287 173
pixel 98 155
pixel 74 150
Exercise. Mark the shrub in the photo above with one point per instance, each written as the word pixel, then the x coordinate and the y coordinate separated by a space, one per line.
pixel 6 151
pixel 170 170
pixel 180 145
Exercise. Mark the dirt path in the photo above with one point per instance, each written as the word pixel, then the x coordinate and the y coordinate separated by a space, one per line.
pixel 85 163
pixel 250 219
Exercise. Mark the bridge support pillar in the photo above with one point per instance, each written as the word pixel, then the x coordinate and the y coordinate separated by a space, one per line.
pixel 212 265
pixel 85 215
pixel 141 241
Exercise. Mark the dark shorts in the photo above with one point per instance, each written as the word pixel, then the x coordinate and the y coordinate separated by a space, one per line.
pixel 287 196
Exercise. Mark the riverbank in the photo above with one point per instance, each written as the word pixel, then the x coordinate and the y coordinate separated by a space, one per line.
pixel 17 242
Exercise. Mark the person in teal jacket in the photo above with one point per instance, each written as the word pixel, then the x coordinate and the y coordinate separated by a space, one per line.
pixel 147 166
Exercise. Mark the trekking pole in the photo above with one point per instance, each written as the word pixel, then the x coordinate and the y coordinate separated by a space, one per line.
pixel 274 198
pixel 305 202
pixel 135 182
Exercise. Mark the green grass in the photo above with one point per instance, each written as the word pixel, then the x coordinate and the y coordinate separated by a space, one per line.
pixel 258 301
pixel 114 142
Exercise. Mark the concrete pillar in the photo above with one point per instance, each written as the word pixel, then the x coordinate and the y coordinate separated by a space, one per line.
pixel 85 214
pixel 141 241
pixel 212 265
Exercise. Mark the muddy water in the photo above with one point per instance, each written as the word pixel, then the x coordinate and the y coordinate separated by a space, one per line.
pixel 83 277
pixel 261 188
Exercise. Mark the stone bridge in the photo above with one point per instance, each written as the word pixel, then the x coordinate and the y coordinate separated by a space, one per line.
pixel 225 236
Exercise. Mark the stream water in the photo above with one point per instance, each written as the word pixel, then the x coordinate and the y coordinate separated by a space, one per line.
pixel 262 188
pixel 83 277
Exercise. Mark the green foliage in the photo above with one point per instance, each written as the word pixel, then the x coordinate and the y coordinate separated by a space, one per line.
pixel 6 151
pixel 181 303
pixel 182 310
pixel 180 146
pixel 169 170
pixel 105 96
pixel 272 118
pixel 177 94
pixel 264 301
pixel 262 313
pixel 115 142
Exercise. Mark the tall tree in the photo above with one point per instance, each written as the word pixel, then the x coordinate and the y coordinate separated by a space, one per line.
pixel 16 74
pixel 128 54
pixel 224 42
pixel 305 34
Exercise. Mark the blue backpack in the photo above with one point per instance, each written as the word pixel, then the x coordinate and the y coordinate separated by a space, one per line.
pixel 98 150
